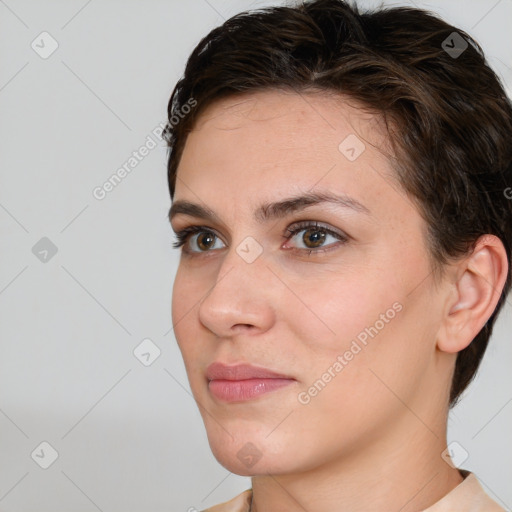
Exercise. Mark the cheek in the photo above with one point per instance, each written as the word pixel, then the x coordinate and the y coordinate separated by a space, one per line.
pixel 179 298
pixel 354 388
pixel 185 301
pixel 345 305
pixel 375 325
pixel 189 289
pixel 383 362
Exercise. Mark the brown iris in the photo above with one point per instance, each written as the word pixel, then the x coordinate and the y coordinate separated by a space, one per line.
pixel 316 239
pixel 205 240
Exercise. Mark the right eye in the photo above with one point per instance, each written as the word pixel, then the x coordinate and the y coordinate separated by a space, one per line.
pixel 203 237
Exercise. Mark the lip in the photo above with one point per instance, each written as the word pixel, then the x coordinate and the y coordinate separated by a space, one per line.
pixel 243 382
pixel 221 371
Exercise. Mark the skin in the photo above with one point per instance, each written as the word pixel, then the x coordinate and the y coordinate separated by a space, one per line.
pixel 372 438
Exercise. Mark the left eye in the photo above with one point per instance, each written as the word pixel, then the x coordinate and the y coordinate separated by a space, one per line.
pixel 314 236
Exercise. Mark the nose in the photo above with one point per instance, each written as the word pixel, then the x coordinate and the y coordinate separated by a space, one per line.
pixel 240 298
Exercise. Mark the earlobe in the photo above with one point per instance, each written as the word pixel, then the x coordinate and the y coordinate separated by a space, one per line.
pixel 476 293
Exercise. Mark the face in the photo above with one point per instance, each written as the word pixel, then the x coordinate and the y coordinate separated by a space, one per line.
pixel 333 292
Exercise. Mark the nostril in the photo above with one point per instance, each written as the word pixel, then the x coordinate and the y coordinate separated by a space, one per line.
pixel 243 327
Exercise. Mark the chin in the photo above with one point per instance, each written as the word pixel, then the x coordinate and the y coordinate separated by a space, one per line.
pixel 251 455
pixel 257 466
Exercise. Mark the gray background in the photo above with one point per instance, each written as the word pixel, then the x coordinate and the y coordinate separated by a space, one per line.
pixel 129 436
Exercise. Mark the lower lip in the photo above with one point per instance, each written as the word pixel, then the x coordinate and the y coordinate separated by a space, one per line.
pixel 242 390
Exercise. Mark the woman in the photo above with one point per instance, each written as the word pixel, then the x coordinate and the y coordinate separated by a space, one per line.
pixel 339 184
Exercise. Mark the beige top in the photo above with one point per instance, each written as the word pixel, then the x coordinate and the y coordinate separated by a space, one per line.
pixel 468 496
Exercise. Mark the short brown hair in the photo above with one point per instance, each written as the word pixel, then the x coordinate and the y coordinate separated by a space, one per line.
pixel 448 117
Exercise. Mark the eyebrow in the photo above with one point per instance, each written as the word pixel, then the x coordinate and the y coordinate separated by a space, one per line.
pixel 274 210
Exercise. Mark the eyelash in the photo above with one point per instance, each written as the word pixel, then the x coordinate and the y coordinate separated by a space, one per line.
pixel 184 234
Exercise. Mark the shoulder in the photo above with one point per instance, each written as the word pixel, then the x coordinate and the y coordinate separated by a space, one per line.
pixel 240 503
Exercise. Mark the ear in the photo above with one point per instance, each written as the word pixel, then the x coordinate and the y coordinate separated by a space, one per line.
pixel 475 293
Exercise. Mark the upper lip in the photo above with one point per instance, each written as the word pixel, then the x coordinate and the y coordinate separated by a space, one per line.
pixel 221 371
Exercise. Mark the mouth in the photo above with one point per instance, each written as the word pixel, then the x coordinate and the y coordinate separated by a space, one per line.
pixel 243 382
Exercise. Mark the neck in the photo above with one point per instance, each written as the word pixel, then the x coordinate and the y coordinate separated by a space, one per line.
pixel 401 470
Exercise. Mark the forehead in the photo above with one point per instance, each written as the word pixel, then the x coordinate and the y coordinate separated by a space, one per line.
pixel 321 116
pixel 252 148
pixel 296 126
